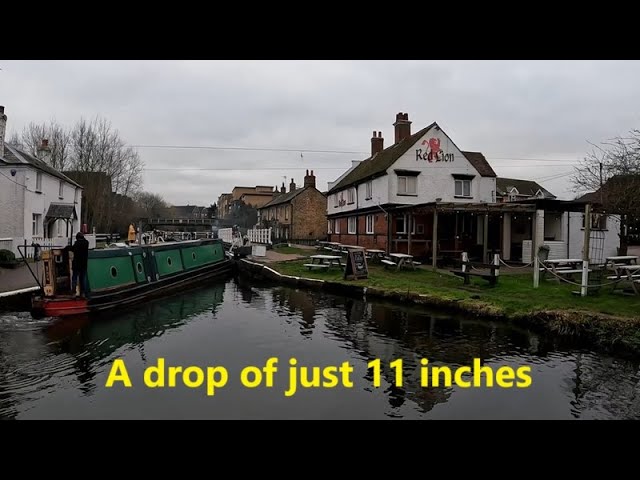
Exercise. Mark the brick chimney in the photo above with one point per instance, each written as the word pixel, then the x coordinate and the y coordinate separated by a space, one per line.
pixel 283 189
pixel 402 127
pixel 309 180
pixel 292 186
pixel 44 151
pixel 377 143
pixel 3 128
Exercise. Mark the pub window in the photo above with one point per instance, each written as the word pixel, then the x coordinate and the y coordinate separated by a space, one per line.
pixel 463 188
pixel 351 195
pixel 369 223
pixel 352 225
pixel 406 185
pixel 369 190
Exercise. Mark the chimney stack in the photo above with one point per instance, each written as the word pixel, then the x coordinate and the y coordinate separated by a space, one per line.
pixel 3 128
pixel 309 180
pixel 283 189
pixel 44 151
pixel 292 186
pixel 377 143
pixel 402 127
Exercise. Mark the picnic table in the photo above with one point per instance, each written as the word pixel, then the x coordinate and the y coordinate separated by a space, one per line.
pixel 376 255
pixel 563 266
pixel 623 273
pixel 622 260
pixel 323 262
pixel 402 260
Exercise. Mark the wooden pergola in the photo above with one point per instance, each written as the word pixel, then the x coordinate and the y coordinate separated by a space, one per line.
pixel 486 209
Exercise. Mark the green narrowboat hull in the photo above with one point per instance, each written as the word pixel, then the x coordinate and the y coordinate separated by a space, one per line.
pixel 123 276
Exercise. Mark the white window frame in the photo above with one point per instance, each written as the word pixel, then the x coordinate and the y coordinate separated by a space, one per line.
pixel 462 182
pixel 35 224
pixel 369 222
pixel 38 181
pixel 351 196
pixel 335 200
pixel 329 226
pixel 368 190
pixel 352 222
pixel 61 189
pixel 405 182
pixel 336 226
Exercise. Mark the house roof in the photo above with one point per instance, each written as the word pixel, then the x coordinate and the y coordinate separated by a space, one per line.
pixel 287 197
pixel 15 156
pixel 524 187
pixel 479 162
pixel 378 164
pixel 61 210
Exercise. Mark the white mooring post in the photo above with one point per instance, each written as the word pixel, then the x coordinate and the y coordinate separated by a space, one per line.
pixel 586 250
pixel 536 270
pixel 496 262
pixel 465 258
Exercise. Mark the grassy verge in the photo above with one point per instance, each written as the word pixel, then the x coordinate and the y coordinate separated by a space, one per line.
pixel 513 295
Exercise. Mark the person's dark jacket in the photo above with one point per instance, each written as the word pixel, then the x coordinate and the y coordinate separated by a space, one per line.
pixel 80 254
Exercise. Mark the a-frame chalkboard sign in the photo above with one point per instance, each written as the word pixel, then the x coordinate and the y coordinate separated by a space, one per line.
pixel 356 267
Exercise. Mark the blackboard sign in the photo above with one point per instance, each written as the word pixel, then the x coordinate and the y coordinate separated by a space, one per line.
pixel 356 265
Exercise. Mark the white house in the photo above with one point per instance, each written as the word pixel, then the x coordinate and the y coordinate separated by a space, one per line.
pixel 37 203
pixel 418 168
pixel 423 193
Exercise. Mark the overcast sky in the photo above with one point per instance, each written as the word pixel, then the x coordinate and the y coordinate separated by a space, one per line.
pixel 531 119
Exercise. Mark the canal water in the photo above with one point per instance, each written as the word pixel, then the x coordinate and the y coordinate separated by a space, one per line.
pixel 58 369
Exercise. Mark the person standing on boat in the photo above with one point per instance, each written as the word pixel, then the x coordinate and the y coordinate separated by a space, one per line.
pixel 132 233
pixel 80 251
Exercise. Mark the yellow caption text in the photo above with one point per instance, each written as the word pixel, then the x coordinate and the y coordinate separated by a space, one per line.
pixel 298 377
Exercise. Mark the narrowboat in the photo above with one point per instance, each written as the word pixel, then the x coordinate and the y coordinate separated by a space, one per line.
pixel 123 276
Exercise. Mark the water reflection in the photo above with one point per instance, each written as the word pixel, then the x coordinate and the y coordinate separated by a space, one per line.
pixel 33 353
pixel 52 369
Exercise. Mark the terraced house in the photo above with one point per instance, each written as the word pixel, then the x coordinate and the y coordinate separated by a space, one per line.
pixel 296 215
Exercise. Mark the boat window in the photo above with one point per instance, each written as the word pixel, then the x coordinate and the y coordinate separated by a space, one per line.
pixel 193 255
pixel 139 267
pixel 169 261
pixel 114 272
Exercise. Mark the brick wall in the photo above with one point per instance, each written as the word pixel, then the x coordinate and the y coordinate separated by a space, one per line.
pixel 377 240
pixel 309 215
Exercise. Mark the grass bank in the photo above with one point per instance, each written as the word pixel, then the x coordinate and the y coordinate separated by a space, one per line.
pixel 610 321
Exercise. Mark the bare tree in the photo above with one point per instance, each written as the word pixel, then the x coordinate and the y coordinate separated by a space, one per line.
pixel 612 171
pixel 59 142
pixel 98 153
pixel 150 204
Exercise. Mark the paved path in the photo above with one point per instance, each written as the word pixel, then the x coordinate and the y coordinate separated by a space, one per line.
pixel 18 278
pixel 273 257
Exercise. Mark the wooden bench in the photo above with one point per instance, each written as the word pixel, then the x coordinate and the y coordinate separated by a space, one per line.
pixel 388 263
pixel 322 266
pixel 491 276
pixel 417 263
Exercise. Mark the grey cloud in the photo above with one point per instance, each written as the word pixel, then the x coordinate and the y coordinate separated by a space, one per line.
pixel 506 109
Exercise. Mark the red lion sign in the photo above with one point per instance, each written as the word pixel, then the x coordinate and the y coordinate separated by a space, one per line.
pixel 434 153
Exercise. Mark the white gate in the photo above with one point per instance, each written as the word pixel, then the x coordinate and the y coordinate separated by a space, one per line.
pixel 260 235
